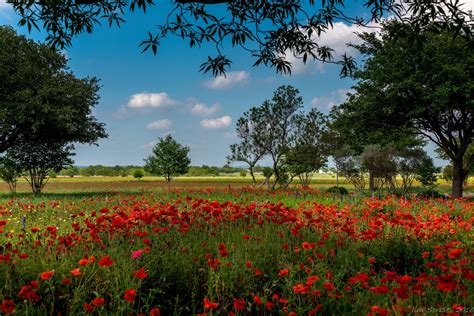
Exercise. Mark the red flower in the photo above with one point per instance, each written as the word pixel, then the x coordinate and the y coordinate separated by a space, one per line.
pixel 453 254
pixel 382 289
pixel 239 304
pixel 283 272
pixel 99 301
pixel 76 272
pixel 257 300
pixel 88 307
pixel 105 262
pixel 66 281
pixel 222 250
pixel 130 295
pixel 210 305
pixel 46 275
pixel 446 286
pixel 8 306
pixel 155 311
pixel 140 274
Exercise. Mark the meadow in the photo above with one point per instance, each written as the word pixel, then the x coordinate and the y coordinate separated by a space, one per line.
pixel 125 247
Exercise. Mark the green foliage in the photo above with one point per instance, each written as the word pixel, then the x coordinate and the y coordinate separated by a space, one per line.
pixel 427 173
pixel 268 30
pixel 9 172
pixel 41 99
pixel 415 80
pixel 448 173
pixel 40 160
pixel 138 173
pixel 243 173
pixel 168 159
pixel 70 171
pixel 338 190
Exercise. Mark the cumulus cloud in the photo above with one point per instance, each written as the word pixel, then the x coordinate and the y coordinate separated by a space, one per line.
pixel 336 38
pixel 198 108
pixel 232 78
pixel 150 100
pixel 217 122
pixel 160 124
pixel 325 103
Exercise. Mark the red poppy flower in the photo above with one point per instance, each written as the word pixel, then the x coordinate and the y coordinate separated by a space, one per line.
pixel 453 254
pixel 257 300
pixel 8 306
pixel 46 275
pixel 239 304
pixel 88 307
pixel 210 305
pixel 130 295
pixel 155 311
pixel 76 272
pixel 283 272
pixel 99 301
pixel 140 274
pixel 105 262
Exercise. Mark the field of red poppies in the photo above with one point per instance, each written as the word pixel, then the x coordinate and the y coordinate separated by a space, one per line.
pixel 213 252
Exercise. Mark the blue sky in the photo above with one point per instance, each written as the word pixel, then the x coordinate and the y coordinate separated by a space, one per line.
pixel 144 97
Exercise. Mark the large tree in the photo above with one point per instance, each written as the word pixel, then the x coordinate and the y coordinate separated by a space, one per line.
pixel 269 30
pixel 169 159
pixel 40 98
pixel 426 87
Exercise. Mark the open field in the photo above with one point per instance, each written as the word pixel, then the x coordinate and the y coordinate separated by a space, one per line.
pixel 137 247
pixel 128 184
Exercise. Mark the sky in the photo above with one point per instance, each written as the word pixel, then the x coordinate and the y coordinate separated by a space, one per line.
pixel 144 97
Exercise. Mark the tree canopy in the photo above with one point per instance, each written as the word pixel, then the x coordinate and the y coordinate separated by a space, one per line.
pixel 426 88
pixel 268 30
pixel 169 159
pixel 40 98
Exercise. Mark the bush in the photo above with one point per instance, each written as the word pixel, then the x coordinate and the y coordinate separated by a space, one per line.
pixel 138 174
pixel 338 190
pixel 243 173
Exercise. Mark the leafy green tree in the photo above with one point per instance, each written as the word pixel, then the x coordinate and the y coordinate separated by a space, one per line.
pixel 243 173
pixel 169 159
pixel 427 173
pixel 268 30
pixel 274 125
pixel 309 151
pixel 380 163
pixel 248 150
pixel 448 173
pixel 421 81
pixel 70 171
pixel 40 98
pixel 351 167
pixel 138 174
pixel 9 172
pixel 40 160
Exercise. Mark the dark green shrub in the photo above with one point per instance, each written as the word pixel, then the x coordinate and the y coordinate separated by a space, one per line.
pixel 338 190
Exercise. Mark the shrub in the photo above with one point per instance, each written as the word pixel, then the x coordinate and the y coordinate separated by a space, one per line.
pixel 338 190
pixel 138 174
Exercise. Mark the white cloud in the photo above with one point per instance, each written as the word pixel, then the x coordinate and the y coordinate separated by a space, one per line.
pixel 336 38
pixel 232 78
pixel 150 100
pixel 201 109
pixel 217 122
pixel 160 124
pixel 325 103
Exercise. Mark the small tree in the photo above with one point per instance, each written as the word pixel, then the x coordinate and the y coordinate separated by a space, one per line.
pixel 448 173
pixel 40 161
pixel 243 173
pixel 426 173
pixel 380 163
pixel 138 174
pixel 70 171
pixel 351 167
pixel 267 173
pixel 9 172
pixel 169 158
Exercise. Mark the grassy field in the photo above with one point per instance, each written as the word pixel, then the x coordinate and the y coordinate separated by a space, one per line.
pixel 77 185
pixel 115 246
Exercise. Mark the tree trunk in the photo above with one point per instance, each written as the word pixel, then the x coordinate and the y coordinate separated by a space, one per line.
pixel 277 175
pixel 458 178
pixel 371 184
pixel 253 176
